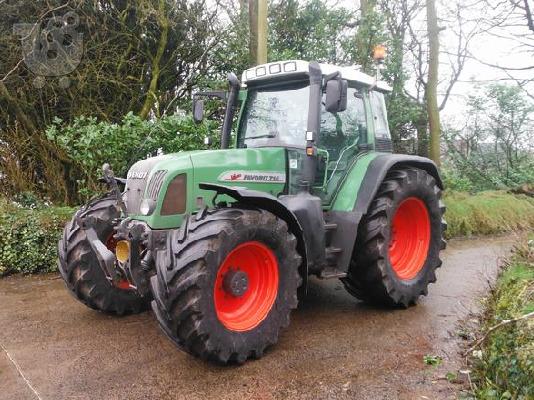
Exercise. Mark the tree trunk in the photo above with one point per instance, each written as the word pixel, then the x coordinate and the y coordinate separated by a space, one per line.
pixel 257 12
pixel 431 91
pixel 262 32
pixel 364 36
pixel 421 126
pixel 151 95
pixel 253 29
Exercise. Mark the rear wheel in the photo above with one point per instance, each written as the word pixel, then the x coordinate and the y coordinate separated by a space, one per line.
pixel 399 240
pixel 81 271
pixel 231 287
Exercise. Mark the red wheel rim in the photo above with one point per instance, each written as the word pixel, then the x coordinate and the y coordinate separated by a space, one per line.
pixel 410 238
pixel 111 244
pixel 246 311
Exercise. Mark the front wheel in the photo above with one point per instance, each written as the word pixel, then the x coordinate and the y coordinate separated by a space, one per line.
pixel 399 240
pixel 231 286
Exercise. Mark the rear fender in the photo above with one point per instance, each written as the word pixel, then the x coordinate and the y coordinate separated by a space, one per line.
pixel 379 167
pixel 364 195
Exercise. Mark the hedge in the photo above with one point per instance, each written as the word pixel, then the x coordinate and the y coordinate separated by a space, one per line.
pixel 29 236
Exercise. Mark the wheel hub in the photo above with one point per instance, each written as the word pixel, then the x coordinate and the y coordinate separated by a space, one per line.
pixel 246 286
pixel 235 282
pixel 410 238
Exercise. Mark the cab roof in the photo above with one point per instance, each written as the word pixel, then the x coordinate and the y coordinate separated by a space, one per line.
pixel 280 69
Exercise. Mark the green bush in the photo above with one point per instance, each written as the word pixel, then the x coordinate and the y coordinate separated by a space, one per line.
pixel 29 235
pixel 505 366
pixel 89 143
pixel 487 213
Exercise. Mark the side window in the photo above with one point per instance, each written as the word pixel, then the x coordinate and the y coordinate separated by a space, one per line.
pixel 380 118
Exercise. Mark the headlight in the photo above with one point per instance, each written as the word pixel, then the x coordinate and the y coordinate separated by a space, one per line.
pixel 147 206
pixel 175 197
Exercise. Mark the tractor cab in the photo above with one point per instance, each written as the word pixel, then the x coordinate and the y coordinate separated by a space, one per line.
pixel 344 117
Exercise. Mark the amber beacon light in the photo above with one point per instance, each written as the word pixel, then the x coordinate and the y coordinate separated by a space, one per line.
pixel 379 53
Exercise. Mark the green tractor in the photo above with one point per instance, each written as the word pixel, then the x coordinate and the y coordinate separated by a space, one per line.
pixel 221 242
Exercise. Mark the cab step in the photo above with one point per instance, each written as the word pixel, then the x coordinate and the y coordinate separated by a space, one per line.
pixel 329 273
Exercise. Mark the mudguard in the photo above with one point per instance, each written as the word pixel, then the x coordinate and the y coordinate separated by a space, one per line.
pixel 270 203
pixel 348 220
pixel 379 167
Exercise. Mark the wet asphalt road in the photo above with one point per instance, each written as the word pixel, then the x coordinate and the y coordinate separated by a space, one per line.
pixel 335 347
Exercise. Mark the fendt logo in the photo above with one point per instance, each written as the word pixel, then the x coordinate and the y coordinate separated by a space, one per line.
pixel 136 175
pixel 252 176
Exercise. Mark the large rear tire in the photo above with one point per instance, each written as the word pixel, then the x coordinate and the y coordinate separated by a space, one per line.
pixel 79 266
pixel 399 240
pixel 232 284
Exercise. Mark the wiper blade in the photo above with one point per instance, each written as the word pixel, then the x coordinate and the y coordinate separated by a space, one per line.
pixel 268 135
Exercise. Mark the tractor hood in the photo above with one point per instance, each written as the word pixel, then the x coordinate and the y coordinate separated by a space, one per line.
pixel 173 179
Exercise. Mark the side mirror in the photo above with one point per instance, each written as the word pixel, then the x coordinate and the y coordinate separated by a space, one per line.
pixel 336 95
pixel 198 110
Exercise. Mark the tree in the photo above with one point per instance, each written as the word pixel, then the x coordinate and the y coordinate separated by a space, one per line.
pixel 431 92
pixel 311 31
pixel 510 21
pixel 494 147
pixel 144 56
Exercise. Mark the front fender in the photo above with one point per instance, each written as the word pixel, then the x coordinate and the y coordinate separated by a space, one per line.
pixel 270 203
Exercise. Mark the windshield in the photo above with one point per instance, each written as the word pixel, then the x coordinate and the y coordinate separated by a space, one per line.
pixel 275 116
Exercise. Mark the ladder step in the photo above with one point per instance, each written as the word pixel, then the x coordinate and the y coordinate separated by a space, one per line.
pixel 333 250
pixel 330 226
pixel 329 273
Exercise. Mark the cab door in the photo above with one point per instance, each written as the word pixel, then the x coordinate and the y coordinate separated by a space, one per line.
pixel 343 136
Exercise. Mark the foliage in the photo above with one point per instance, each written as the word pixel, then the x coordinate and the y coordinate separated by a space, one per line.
pixel 487 213
pixel 29 236
pixel 310 30
pixel 135 54
pixel 89 143
pixel 505 369
pixel 433 360
pixel 495 147
pixel 454 182
pixel 141 56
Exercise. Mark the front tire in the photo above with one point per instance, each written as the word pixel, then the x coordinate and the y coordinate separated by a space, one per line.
pixel 399 240
pixel 81 271
pixel 232 284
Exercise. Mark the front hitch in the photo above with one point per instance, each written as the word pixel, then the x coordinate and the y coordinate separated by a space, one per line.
pixel 106 258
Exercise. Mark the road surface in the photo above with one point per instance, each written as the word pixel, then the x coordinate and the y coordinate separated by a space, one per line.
pixel 335 348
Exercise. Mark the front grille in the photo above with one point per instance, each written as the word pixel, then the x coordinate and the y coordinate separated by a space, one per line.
pixel 135 189
pixel 154 186
pixel 136 183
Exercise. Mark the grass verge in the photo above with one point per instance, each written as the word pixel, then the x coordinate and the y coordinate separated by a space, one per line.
pixel 503 364
pixel 486 213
